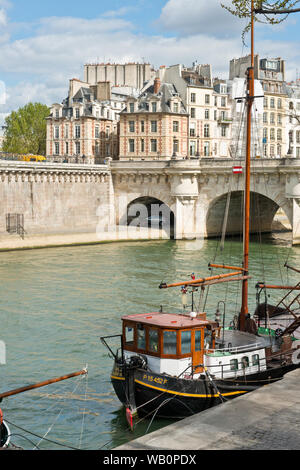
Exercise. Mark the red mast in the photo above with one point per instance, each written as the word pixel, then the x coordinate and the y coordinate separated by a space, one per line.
pixel 246 231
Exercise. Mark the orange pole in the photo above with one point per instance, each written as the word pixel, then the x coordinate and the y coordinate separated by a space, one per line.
pixel 250 97
pixel 269 286
pixel 224 266
pixel 40 384
pixel 198 281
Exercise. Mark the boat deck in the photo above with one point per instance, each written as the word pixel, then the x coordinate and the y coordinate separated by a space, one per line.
pixel 235 339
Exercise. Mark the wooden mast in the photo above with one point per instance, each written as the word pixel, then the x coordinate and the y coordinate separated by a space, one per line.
pixel 249 98
pixel 41 384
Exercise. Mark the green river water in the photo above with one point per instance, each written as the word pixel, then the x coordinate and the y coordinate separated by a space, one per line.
pixel 56 303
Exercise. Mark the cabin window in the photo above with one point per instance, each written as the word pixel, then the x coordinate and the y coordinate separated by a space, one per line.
pixel 198 340
pixel 207 339
pixel 234 364
pixel 141 337
pixel 129 335
pixel 170 342
pixel 185 342
pixel 153 340
pixel 255 359
pixel 245 362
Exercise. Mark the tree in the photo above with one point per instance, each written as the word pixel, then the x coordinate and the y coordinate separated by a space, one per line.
pixel 270 11
pixel 25 130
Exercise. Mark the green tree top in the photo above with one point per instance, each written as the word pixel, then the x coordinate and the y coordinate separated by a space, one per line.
pixel 269 11
pixel 25 130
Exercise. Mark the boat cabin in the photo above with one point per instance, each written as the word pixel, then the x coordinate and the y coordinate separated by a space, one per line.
pixel 171 343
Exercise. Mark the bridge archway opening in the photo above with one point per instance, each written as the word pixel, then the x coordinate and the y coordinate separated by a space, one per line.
pixel 151 212
pixel 265 215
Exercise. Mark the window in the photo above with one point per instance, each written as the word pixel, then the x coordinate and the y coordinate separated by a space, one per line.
pixel 265 117
pixel 206 130
pixel 56 148
pixel 272 151
pixel 170 342
pixel 193 112
pixel 77 132
pixel 245 362
pixel 279 120
pixel 207 99
pixel 272 118
pixel 265 102
pixel 67 131
pixel 129 335
pixel 272 103
pixel 279 103
pixel 215 115
pixel 279 134
pixel 279 150
pixel 175 146
pixel 297 152
pixel 153 145
pixel 97 132
pixel 175 126
pixel 193 97
pixel 131 126
pixel 206 114
pixel 153 126
pixel 57 113
pixel 67 148
pixel 192 147
pixel 255 359
pixel 206 149
pixel 56 132
pixel 153 340
pixel 77 148
pixel 142 126
pixel 192 130
pixel 223 101
pixel 77 113
pixel 185 342
pixel 198 340
pixel 223 130
pixel 298 137
pixel 154 107
pixel 131 145
pixel 142 145
pixel 265 133
pixel 175 107
pixel 234 364
pixel 141 337
pixel 272 134
pixel 131 107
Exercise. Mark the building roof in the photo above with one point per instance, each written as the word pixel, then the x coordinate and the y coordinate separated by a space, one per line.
pixel 168 320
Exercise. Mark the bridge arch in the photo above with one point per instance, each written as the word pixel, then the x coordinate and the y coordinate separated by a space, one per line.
pixel 262 212
pixel 149 211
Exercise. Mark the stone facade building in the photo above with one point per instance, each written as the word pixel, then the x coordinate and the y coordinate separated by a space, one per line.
pixel 84 128
pixel 292 131
pixel 154 125
pixel 271 74
pixel 209 108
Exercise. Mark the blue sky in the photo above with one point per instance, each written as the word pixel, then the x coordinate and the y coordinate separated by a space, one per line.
pixel 44 44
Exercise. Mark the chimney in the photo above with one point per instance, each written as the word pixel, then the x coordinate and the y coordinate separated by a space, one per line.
pixel 156 85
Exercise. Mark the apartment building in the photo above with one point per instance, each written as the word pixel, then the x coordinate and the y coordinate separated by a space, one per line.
pixel 292 131
pixel 271 74
pixel 84 128
pixel 154 125
pixel 208 105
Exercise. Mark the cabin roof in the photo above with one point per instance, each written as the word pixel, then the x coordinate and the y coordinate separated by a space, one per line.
pixel 168 320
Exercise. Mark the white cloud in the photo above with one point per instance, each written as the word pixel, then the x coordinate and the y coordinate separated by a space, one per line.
pixel 189 17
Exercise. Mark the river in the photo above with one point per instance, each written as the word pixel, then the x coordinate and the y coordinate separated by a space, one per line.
pixel 56 303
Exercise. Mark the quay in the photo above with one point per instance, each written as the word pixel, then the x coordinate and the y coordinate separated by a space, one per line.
pixel 265 419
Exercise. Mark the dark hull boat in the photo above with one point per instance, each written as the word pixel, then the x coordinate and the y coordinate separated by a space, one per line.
pixel 4 435
pixel 175 365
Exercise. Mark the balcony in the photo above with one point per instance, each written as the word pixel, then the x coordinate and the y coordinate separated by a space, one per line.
pixel 224 120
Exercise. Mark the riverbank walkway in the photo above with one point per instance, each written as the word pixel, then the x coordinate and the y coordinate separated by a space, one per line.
pixel 265 419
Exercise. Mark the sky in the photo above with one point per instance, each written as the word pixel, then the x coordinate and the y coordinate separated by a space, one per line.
pixel 43 44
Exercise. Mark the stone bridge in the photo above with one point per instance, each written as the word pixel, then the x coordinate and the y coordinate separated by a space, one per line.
pixel 199 191
pixel 63 198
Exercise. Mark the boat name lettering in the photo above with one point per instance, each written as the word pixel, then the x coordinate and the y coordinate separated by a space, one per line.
pixel 158 380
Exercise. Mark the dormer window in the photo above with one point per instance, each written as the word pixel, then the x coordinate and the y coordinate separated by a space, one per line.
pixel 175 107
pixel 131 107
pixel 154 107
pixel 57 113
pixel 77 113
